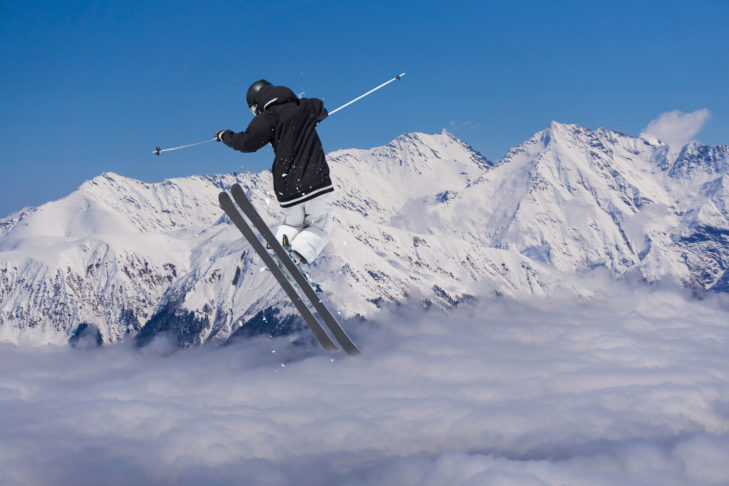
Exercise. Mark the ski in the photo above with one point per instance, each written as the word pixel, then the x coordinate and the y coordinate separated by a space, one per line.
pixel 227 204
pixel 331 322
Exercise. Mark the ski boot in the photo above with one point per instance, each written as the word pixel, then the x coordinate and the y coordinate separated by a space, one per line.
pixel 286 246
pixel 298 260
pixel 284 243
pixel 304 268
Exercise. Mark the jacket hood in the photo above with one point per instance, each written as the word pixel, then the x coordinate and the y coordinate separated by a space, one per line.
pixel 275 95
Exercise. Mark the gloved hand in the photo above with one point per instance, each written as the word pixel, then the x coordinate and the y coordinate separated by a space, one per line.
pixel 219 135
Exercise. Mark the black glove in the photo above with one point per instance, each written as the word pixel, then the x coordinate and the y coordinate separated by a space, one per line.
pixel 219 135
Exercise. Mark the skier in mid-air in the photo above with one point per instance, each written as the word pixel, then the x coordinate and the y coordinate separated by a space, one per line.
pixel 300 172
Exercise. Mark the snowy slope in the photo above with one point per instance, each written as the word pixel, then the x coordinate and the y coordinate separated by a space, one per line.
pixel 424 217
pixel 577 199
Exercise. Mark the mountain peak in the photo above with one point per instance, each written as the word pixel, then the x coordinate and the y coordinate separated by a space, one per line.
pixel 570 132
pixel 443 137
pixel 556 127
pixel 444 145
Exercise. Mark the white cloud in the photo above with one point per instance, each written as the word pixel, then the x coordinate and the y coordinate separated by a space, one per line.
pixel 455 126
pixel 631 389
pixel 677 128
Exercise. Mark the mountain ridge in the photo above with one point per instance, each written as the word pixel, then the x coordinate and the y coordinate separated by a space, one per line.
pixel 425 217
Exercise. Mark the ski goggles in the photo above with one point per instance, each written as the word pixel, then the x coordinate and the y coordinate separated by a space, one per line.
pixel 254 109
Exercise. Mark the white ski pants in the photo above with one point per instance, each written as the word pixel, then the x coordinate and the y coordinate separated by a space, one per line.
pixel 307 226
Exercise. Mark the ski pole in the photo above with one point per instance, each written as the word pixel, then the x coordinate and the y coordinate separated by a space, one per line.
pixel 158 150
pixel 396 78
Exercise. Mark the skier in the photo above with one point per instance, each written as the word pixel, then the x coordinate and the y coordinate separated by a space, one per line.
pixel 300 172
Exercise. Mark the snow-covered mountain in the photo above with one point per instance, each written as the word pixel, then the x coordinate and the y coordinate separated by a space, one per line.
pixel 424 217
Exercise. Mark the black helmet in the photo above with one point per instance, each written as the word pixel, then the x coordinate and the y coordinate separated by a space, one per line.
pixel 252 95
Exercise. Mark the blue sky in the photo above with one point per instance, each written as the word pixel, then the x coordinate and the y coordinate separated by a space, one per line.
pixel 94 87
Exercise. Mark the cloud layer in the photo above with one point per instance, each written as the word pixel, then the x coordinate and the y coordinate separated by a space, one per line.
pixel 632 388
pixel 677 128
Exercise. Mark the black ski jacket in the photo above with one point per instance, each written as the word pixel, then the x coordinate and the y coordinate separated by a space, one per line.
pixel 300 171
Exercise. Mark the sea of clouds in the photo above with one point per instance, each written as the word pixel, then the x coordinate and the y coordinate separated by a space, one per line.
pixel 629 387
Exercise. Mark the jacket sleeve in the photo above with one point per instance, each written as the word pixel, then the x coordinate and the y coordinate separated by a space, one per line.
pixel 258 134
pixel 318 109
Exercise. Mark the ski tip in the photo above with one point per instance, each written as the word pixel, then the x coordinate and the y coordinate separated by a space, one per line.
pixel 399 76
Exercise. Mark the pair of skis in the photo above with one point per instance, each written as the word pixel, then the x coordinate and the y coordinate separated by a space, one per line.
pixel 288 266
